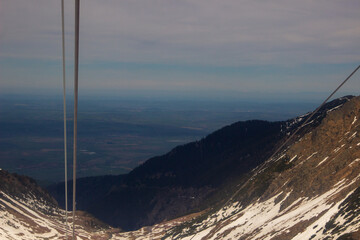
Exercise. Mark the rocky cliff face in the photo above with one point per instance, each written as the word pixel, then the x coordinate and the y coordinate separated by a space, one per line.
pixel 309 191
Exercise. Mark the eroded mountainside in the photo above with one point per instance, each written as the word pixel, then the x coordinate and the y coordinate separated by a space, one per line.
pixel 178 182
pixel 310 190
pixel 190 178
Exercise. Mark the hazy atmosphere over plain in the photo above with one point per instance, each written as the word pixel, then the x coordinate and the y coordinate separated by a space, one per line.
pixel 229 48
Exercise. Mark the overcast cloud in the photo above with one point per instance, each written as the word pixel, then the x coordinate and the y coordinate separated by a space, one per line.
pixel 179 44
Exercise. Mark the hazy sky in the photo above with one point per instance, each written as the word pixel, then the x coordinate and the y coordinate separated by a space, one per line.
pixel 205 47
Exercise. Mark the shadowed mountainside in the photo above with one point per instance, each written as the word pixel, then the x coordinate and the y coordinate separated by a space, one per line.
pixel 309 190
pixel 189 178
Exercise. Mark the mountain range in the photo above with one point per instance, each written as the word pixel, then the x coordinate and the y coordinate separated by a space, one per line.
pixel 226 186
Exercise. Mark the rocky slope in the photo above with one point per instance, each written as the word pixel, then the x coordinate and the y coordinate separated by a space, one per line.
pixel 309 191
pixel 178 182
pixel 28 212
pixel 190 178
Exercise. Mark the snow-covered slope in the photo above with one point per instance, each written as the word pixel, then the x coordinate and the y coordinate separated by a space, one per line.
pixel 28 212
pixel 305 218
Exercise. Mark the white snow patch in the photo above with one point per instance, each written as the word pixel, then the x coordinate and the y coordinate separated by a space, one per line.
pixel 322 161
pixel 311 155
pixel 20 219
pixel 292 159
pixel 332 109
pixel 280 157
pixel 313 229
pixel 308 123
pixel 352 136
pixel 284 184
pixel 354 120
pixel 338 148
pixel 305 115
pixel 264 220
pixel 340 183
pixel 353 162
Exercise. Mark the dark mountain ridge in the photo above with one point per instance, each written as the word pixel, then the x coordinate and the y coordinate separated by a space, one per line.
pixel 309 190
pixel 190 177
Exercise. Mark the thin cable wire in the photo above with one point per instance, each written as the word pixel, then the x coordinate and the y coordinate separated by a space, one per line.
pixel 64 103
pixel 308 119
pixel 76 75
pixel 290 137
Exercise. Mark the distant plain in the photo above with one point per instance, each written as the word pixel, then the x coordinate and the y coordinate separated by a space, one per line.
pixel 114 134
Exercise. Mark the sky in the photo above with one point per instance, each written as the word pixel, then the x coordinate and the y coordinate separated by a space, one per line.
pixel 206 48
